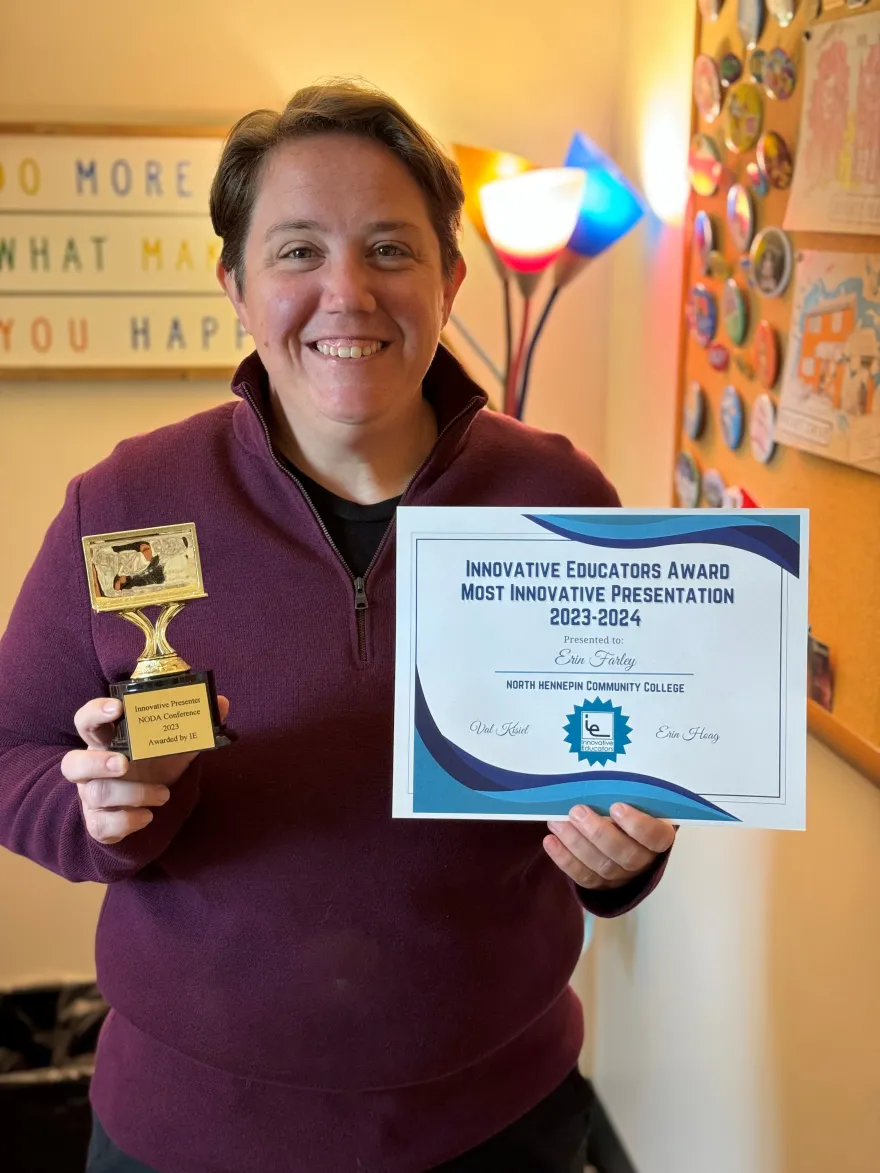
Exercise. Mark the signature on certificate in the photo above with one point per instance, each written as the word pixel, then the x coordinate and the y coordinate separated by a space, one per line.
pixel 502 729
pixel 695 733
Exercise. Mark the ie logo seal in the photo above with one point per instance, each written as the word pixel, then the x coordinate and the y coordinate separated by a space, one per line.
pixel 597 731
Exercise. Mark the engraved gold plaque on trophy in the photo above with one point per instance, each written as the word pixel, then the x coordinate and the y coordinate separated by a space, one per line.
pixel 168 707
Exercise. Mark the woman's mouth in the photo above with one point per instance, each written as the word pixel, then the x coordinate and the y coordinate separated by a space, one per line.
pixel 348 347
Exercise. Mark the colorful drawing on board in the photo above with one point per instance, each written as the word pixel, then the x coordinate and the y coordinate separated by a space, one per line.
pixel 836 185
pixel 830 397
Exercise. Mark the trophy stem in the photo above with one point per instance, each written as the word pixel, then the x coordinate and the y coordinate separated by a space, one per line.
pixel 158 657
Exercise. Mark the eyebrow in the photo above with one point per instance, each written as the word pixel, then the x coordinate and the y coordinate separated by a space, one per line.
pixel 314 226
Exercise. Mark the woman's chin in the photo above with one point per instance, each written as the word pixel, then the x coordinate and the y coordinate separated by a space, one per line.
pixel 355 404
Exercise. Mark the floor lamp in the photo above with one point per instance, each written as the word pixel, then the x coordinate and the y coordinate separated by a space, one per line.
pixel 535 220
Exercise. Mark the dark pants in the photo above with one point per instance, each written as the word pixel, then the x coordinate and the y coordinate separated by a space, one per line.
pixel 552 1138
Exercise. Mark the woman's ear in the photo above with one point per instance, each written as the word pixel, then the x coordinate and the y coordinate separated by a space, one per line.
pixel 230 286
pixel 452 286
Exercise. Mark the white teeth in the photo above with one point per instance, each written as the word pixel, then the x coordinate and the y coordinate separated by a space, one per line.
pixel 349 351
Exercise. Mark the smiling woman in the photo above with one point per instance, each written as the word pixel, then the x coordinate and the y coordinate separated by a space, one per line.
pixel 298 981
pixel 339 219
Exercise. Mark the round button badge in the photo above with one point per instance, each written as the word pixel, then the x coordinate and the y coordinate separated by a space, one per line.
pixel 766 355
pixel 704 241
pixel 774 160
pixel 695 411
pixel 782 11
pixel 704 165
pixel 687 481
pixel 732 417
pixel 719 266
pixel 757 178
pixel 756 65
pixel 734 312
pixel 772 261
pixel 714 489
pixel 730 69
pixel 745 113
pixel 750 21
pixel 719 356
pixel 762 428
pixel 707 87
pixel 740 217
pixel 702 314
pixel 779 76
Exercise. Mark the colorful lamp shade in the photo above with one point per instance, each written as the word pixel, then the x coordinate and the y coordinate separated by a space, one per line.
pixel 531 217
pixel 479 167
pixel 610 207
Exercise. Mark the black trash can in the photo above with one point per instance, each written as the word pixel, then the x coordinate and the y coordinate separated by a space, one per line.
pixel 48 1037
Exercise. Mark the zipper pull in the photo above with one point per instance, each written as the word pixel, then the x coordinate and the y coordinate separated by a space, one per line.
pixel 360 595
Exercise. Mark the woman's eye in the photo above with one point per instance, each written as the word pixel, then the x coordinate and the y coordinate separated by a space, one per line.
pixel 390 250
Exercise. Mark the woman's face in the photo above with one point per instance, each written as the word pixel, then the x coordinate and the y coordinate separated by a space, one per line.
pixel 341 254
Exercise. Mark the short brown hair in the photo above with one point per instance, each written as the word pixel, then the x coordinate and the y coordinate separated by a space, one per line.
pixel 337 106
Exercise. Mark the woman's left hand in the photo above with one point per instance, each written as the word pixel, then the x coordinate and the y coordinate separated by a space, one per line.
pixel 599 852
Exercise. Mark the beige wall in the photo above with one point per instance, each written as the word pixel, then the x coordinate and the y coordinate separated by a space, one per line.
pixel 738 1011
pixel 488 74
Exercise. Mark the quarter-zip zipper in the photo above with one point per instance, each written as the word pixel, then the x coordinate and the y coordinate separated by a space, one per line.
pixel 359 583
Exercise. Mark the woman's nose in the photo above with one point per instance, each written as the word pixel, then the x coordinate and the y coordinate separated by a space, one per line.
pixel 348 286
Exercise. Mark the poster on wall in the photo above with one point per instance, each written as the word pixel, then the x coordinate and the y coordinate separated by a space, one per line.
pixel 108 257
pixel 830 398
pixel 836 184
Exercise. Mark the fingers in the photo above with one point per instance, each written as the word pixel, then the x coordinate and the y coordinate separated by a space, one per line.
pixel 578 871
pixel 656 835
pixel 81 765
pixel 223 706
pixel 113 826
pixel 609 840
pixel 94 721
pixel 607 852
pixel 102 794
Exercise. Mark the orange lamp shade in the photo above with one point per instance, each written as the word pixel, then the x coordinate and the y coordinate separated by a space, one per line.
pixel 479 167
pixel 530 217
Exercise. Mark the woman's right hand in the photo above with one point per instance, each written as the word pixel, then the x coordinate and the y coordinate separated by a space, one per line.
pixel 117 794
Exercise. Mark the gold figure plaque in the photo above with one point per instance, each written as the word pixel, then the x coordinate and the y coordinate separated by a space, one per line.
pixel 167 707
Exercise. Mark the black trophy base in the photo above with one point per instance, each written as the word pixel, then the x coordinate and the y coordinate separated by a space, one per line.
pixel 165 715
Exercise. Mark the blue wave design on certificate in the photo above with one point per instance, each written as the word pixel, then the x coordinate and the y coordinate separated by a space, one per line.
pixel 778 540
pixel 452 780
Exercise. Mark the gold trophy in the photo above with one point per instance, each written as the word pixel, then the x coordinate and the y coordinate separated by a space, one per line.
pixel 167 707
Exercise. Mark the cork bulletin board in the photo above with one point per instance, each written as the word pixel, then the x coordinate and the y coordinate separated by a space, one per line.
pixel 843 497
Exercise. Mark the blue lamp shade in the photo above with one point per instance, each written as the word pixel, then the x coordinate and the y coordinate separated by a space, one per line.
pixel 610 206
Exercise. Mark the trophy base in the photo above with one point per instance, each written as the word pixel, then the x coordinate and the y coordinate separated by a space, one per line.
pixel 171 714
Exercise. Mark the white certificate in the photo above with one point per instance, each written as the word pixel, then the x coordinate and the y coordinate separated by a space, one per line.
pixel 552 657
